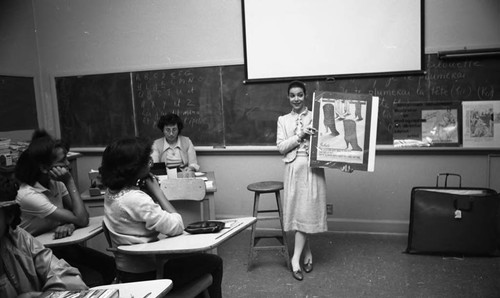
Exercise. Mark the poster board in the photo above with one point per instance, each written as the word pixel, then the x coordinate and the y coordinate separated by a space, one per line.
pixel 481 123
pixel 418 124
pixel 346 127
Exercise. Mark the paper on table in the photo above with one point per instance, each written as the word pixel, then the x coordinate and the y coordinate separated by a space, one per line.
pixel 209 184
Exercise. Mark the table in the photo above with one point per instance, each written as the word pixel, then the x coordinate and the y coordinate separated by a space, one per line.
pixel 186 243
pixel 95 202
pixel 78 236
pixel 211 188
pixel 150 288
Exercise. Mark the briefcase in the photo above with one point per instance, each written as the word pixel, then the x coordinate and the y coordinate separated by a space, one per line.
pixel 454 220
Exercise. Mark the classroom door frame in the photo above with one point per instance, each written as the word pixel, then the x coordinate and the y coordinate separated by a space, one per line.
pixel 494 172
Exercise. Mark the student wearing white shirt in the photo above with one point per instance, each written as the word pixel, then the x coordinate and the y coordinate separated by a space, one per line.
pixel 137 211
pixel 50 201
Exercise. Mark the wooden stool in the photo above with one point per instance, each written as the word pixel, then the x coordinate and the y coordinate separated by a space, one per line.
pixel 262 188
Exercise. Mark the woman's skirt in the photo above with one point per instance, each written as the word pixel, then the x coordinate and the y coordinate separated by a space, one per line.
pixel 304 201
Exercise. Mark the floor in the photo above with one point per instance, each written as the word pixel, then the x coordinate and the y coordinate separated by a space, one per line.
pixel 358 265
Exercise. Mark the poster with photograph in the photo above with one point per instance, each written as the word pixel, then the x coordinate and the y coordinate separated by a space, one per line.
pixel 346 130
pixel 481 120
pixel 418 124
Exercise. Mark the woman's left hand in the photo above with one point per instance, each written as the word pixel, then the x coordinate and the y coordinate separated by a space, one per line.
pixel 59 173
pixel 188 169
pixel 347 169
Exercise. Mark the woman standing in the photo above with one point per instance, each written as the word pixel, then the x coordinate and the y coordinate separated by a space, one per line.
pixel 174 149
pixel 304 203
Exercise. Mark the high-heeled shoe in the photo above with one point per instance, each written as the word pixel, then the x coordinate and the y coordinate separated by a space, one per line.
pixel 308 267
pixel 298 275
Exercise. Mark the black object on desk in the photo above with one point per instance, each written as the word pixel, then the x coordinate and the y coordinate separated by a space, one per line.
pixel 158 168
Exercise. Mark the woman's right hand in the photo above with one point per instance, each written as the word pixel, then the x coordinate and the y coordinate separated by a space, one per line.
pixel 151 186
pixel 64 230
pixel 307 131
pixel 151 182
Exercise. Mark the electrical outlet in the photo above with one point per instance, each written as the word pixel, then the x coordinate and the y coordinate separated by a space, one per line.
pixel 329 209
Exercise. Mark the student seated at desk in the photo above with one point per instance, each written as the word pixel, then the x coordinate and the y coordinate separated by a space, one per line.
pixel 137 211
pixel 49 200
pixel 174 149
pixel 26 266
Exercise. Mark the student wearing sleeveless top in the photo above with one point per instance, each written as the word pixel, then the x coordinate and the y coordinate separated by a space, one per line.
pixel 304 200
pixel 174 149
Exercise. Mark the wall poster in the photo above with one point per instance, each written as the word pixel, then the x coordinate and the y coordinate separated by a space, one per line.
pixel 418 124
pixel 481 123
pixel 346 126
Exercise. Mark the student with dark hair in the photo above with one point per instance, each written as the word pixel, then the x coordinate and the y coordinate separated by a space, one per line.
pixel 48 195
pixel 137 211
pixel 49 200
pixel 304 200
pixel 27 268
pixel 174 149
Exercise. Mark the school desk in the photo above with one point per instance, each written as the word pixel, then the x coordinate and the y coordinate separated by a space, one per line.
pixel 186 243
pixel 79 235
pixel 95 204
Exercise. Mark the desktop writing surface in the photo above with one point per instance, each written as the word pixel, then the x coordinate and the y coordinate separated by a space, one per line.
pixel 220 110
pixel 192 93
pixel 17 103
pixel 95 109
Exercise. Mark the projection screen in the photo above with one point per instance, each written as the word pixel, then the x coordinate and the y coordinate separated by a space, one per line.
pixel 331 38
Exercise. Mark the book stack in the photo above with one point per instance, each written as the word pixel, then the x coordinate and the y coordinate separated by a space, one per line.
pixel 4 146
pixel 5 156
pixel 96 293
pixel 16 148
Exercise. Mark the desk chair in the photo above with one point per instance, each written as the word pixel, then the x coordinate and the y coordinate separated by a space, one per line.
pixel 186 189
pixel 190 290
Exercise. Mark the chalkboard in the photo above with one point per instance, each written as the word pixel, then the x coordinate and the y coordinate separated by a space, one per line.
pixel 463 79
pixel 220 110
pixel 95 109
pixel 251 111
pixel 193 94
pixel 17 104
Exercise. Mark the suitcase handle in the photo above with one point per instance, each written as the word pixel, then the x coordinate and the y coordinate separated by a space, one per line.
pixel 446 179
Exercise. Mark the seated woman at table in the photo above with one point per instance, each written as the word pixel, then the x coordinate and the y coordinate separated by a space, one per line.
pixel 137 211
pixel 49 200
pixel 176 150
pixel 27 268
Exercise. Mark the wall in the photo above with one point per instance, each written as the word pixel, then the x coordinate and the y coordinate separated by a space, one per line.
pixel 92 36
pixel 18 49
pixel 376 202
